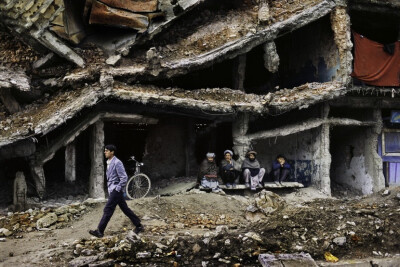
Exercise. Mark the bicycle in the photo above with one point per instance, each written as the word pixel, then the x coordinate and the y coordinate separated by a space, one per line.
pixel 138 185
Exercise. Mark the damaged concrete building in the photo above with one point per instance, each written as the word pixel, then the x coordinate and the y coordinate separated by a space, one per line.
pixel 169 80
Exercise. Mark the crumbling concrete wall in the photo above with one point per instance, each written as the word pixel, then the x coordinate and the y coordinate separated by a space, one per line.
pixel 356 163
pixel 165 155
pixel 352 160
pixel 309 54
pixel 297 148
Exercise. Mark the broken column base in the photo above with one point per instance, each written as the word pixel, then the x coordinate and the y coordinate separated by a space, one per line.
pixel 19 191
pixel 287 260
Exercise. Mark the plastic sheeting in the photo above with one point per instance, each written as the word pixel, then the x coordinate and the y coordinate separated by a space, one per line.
pixel 375 66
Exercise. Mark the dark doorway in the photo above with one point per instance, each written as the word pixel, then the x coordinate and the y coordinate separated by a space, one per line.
pixel 129 138
pixel 212 137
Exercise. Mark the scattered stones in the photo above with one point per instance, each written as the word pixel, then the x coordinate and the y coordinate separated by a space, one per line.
pixel 221 229
pixel 386 193
pixel 340 241
pixel 296 259
pixel 112 60
pixel 268 202
pixel 143 255
pixel 3 239
pixel 5 232
pixel 46 221
pixel 253 236
pixel 82 261
pixel 179 225
pixel 196 248
pixel 61 210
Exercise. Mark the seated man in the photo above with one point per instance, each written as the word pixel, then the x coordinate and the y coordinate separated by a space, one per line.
pixel 280 169
pixel 252 172
pixel 229 169
pixel 207 175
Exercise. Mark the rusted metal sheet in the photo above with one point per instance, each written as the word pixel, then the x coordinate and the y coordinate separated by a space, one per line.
pixel 133 5
pixel 103 14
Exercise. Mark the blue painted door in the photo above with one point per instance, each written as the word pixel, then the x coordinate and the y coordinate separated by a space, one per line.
pixel 394 172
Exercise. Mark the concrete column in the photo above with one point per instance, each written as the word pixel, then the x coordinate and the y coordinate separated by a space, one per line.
pixel 325 160
pixel 38 177
pixel 19 191
pixel 96 150
pixel 239 72
pixel 191 165
pixel 373 160
pixel 241 143
pixel 340 22
pixel 322 157
pixel 271 57
pixel 70 163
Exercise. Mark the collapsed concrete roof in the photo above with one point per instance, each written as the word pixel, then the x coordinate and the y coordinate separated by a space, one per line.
pixel 172 45
pixel 187 45
pixel 41 118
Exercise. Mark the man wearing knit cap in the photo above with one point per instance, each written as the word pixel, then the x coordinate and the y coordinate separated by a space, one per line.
pixel 229 169
pixel 207 175
pixel 252 172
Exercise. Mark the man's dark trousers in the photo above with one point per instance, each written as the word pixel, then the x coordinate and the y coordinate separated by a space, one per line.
pixel 116 198
pixel 280 174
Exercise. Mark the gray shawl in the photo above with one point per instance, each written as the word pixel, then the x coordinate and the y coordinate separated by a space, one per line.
pixel 247 164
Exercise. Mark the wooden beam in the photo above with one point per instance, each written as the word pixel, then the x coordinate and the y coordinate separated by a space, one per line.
pixel 308 125
pixel 102 14
pixel 133 5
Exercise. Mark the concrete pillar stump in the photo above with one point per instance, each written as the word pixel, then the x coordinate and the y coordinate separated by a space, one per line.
pixel 96 179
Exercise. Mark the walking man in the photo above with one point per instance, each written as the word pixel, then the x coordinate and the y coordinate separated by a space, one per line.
pixel 116 181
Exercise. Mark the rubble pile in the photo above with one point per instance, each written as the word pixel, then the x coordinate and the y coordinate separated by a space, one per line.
pixel 14 53
pixel 208 229
pixel 47 218
pixel 210 248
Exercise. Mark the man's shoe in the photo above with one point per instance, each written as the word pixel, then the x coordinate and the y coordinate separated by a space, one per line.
pixel 233 185
pixel 228 185
pixel 139 229
pixel 96 233
pixel 277 183
pixel 247 185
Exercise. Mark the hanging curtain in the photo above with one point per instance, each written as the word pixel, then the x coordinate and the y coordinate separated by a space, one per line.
pixel 375 63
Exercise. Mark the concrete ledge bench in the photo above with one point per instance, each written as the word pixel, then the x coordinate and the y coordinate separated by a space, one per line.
pixel 266 185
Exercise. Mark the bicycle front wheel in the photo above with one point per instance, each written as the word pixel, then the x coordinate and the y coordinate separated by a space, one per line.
pixel 138 186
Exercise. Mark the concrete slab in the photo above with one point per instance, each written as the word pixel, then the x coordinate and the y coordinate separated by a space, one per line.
pixel 286 260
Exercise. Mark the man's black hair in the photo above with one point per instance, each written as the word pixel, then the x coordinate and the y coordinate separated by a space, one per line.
pixel 111 148
pixel 280 156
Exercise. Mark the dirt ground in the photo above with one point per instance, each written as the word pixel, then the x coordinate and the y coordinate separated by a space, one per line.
pixel 194 228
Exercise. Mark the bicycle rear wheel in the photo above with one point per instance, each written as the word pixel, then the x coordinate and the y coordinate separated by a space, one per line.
pixel 138 186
